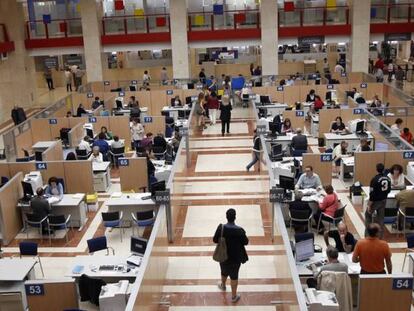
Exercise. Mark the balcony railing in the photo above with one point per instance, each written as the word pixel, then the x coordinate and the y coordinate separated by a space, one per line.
pixel 240 19
pixel 57 28
pixel 391 14
pixel 133 24
pixel 315 16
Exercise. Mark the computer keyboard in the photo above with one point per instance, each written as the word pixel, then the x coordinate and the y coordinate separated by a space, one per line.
pixel 106 268
pixel 146 197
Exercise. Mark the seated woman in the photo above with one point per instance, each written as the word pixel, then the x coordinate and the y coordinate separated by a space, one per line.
pixel 71 156
pixel 176 101
pixel 54 188
pixel 328 206
pixel 108 135
pixel 338 126
pixel 318 104
pixel 311 96
pixel 80 111
pixel 117 143
pixel 397 177
pixel 96 156
pixel 287 126
pixel 363 145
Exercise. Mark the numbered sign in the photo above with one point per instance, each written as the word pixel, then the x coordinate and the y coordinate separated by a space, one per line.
pixel 276 195
pixel 343 74
pixel 123 162
pixel 330 86
pixel 252 96
pixel 402 284
pixel 364 85
pixel 280 88
pixel 52 121
pixel 162 197
pixel 134 82
pixel 408 155
pixel 326 157
pixel 300 113
pixel 107 83
pixel 92 119
pixel 89 95
pixel 183 131
pixel 194 98
pixel 170 92
pixel 147 119
pixel 359 111
pixel 41 166
pixel 34 289
pixel 121 94
pixel 261 129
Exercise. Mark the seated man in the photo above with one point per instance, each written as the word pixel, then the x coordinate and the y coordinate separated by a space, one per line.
pixel 300 141
pixel 333 265
pixel 96 156
pixel 159 141
pixel 54 188
pixel 102 144
pixel 344 240
pixel 363 145
pixel 96 103
pixel 84 144
pixel 117 143
pixel 40 207
pixel 309 180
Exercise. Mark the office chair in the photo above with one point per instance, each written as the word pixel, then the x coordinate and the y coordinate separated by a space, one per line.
pixel 30 249
pixel 113 220
pixel 34 221
pixel 391 216
pixel 338 217
pixel 82 154
pixel 408 216
pixel 64 136
pixel 99 244
pixel 159 152
pixel 117 153
pixel 409 249
pixel 58 222
pixel 298 153
pixel 300 217
pixel 277 152
pixel 143 219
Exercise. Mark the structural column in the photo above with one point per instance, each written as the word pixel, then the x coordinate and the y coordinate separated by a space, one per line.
pixel 17 72
pixel 359 47
pixel 269 28
pixel 179 40
pixel 91 14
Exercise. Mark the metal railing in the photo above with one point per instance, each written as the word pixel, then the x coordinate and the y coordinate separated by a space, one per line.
pixel 132 24
pixel 314 16
pixel 391 13
pixel 55 28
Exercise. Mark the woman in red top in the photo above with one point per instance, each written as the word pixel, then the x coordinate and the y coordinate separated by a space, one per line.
pixel 318 104
pixel 328 206
pixel 213 105
pixel 407 135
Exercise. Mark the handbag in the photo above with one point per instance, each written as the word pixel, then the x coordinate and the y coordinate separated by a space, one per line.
pixel 220 253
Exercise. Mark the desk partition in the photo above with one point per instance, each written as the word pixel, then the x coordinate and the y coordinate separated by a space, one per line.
pixel 10 214
pixel 320 167
pixel 75 135
pixel 133 174
pixel 54 152
pixel 155 125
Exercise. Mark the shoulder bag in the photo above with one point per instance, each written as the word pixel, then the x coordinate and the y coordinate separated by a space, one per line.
pixel 220 253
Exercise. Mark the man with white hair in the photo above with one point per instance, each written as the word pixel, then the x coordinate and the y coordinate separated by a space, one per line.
pixel 344 240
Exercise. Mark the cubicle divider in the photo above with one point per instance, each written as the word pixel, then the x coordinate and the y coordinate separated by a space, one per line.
pixel 10 214
pixel 77 175
pixel 405 113
pixel 154 124
pixel 75 135
pixel 320 166
pixel 23 140
pixel 365 163
pixel 297 118
pixel 54 152
pixel 327 117
pixel 133 174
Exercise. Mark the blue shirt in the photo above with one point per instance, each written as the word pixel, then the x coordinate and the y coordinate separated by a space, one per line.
pixel 103 146
pixel 306 182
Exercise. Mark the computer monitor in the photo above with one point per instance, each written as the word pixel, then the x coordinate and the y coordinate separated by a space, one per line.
pixel 360 127
pixel 133 88
pixel 304 250
pixel 264 99
pixel 138 245
pixel 89 132
pixel 118 104
pixel 277 149
pixel 158 186
pixel 287 182
pixel 38 156
pixel 27 189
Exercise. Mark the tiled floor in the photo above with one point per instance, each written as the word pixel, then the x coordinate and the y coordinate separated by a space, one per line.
pixel 222 162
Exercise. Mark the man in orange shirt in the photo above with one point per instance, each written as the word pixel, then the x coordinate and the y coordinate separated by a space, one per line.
pixel 407 135
pixel 371 252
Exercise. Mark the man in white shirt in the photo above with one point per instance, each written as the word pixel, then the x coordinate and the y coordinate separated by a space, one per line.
pixel 84 144
pixel 339 68
pixel 96 156
pixel 290 81
pixel 117 143
pixel 309 180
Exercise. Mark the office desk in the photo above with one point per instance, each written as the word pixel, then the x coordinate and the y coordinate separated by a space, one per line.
pixel 41 146
pixel 16 269
pixel 273 109
pixel 181 122
pixel 315 125
pixel 347 167
pixel 303 271
pixel 91 268
pixel 73 204
pixel 162 171
pixel 284 140
pixel 285 168
pixel 173 111
pixel 352 139
pixel 391 202
pixel 101 176
pixel 129 203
